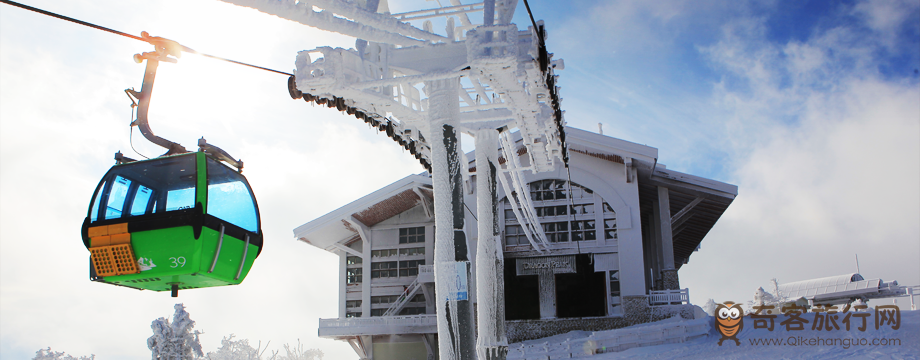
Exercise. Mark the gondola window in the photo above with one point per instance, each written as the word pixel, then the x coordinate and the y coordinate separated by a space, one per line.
pixel 229 197
pixel 117 197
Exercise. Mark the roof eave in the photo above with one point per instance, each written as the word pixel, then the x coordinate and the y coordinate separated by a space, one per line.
pixel 336 216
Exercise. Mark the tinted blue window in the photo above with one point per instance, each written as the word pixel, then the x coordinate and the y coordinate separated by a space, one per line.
pixel 147 187
pixel 94 213
pixel 229 197
pixel 141 199
pixel 180 199
pixel 115 205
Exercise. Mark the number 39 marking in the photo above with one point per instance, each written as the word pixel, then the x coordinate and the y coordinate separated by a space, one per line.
pixel 177 262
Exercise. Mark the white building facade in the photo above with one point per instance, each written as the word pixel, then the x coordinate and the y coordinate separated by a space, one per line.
pixel 618 227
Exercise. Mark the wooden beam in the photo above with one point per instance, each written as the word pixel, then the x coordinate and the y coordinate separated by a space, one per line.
pixel 348 250
pixel 681 216
pixel 664 223
pixel 424 200
pixel 363 230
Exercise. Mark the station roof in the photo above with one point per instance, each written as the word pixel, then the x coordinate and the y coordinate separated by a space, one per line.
pixel 338 226
pixel 827 285
pixel 709 198
pixel 696 205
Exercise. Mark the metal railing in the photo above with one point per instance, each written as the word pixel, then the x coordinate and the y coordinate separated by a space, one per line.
pixel 378 325
pixel 404 298
pixel 379 320
pixel 426 274
pixel 666 297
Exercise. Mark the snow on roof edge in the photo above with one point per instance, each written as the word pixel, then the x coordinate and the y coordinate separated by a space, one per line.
pixel 362 203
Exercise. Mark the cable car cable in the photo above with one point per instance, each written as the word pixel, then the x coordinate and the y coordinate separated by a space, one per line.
pixel 94 26
pixel 550 81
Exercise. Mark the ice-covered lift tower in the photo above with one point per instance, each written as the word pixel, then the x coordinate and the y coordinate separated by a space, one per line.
pixel 423 86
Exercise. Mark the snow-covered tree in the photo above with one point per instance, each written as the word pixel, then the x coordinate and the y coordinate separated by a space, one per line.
pixel 235 350
pixel 710 307
pixel 176 340
pixel 778 296
pixel 761 298
pixel 47 354
pixel 231 349
pixel 298 353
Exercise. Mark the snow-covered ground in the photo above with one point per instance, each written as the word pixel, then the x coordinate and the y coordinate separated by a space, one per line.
pixel 903 343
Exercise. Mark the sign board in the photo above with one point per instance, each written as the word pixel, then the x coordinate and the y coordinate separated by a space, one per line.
pixel 459 271
pixel 606 262
pixel 548 264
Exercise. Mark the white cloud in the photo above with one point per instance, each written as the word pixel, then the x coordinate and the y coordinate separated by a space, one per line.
pixel 844 182
pixel 886 17
pixel 826 154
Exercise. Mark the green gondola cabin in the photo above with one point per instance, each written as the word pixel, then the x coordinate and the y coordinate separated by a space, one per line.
pixel 174 222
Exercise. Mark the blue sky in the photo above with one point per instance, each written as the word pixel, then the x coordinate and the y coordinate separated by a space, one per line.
pixel 811 107
pixel 661 64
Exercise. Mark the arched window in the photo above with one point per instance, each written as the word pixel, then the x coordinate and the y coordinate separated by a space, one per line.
pixel 580 216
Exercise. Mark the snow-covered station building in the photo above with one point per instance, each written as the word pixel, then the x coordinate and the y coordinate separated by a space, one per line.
pixel 617 235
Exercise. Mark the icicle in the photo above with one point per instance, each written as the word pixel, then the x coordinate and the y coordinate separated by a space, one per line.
pixel 526 221
pixel 517 212
pixel 528 207
pixel 521 187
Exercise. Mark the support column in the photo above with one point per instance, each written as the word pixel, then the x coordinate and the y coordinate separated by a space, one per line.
pixel 546 280
pixel 636 309
pixel 668 272
pixel 654 248
pixel 343 285
pixel 365 234
pixel 490 267
pixel 431 345
pixel 363 345
pixel 451 258
pixel 670 279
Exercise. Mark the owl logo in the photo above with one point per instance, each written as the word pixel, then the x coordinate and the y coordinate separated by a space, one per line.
pixel 728 321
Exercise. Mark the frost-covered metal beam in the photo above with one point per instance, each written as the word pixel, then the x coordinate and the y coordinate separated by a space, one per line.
pixel 373 27
pixel 507 72
pixel 374 19
pixel 451 258
pixel 439 12
pixel 502 71
pixel 490 267
pixel 493 51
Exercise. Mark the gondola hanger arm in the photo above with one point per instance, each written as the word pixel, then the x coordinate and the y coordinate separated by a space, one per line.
pixel 163 49
pixel 169 51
